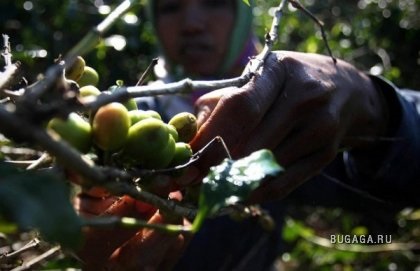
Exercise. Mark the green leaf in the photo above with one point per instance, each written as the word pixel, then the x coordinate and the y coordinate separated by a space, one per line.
pixel 7 227
pixel 246 2
pixel 39 201
pixel 233 181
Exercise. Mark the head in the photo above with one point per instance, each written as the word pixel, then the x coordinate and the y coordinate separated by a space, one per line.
pixel 204 37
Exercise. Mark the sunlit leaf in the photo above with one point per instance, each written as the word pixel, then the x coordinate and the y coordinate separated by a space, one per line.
pixel 233 181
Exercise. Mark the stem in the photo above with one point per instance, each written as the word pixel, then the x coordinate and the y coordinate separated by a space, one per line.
pixel 130 222
pixel 123 188
pixel 30 245
pixel 184 86
pixel 194 158
pixel 42 159
pixel 298 5
pixel 147 71
pixel 199 219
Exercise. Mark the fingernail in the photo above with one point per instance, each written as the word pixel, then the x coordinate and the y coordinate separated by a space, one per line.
pixel 203 114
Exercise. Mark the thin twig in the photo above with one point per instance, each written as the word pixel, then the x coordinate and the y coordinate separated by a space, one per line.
pixel 194 158
pixel 31 263
pixel 5 100
pixel 298 5
pixel 123 188
pixel 12 93
pixel 130 222
pixel 16 151
pixel 30 245
pixel 42 159
pixel 147 71
pixel 360 192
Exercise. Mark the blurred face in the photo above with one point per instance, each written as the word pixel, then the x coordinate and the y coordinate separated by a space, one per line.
pixel 195 33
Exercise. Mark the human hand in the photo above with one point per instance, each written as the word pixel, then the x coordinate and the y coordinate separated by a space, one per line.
pixel 302 107
pixel 128 249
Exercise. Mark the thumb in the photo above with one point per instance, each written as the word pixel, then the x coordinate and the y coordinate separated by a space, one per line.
pixel 205 105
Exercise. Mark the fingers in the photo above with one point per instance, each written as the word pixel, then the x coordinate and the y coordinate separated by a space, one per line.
pixel 233 114
pixel 87 205
pixel 101 242
pixel 291 140
pixel 148 250
pixel 241 109
pixel 206 103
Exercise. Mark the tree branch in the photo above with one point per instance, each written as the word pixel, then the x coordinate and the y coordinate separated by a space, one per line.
pixel 270 39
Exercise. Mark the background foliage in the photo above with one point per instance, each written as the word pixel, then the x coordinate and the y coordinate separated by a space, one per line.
pixel 379 36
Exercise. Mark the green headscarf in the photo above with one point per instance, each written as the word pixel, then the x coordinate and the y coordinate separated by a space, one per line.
pixel 241 33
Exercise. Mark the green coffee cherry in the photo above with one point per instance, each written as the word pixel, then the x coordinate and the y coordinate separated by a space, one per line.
pixel 89 90
pixel 110 126
pixel 89 77
pixel 163 157
pixel 75 71
pixel 147 144
pixel 174 133
pixel 75 130
pixel 186 125
pixel 138 115
pixel 130 104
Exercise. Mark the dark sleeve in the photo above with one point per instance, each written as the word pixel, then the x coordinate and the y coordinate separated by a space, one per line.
pixel 392 172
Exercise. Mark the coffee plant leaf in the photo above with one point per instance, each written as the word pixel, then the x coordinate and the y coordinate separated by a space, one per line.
pixel 233 181
pixel 39 201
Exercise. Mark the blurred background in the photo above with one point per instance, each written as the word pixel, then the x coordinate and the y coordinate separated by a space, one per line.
pixel 379 36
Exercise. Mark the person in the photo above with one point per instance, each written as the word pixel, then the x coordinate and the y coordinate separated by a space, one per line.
pixel 345 138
